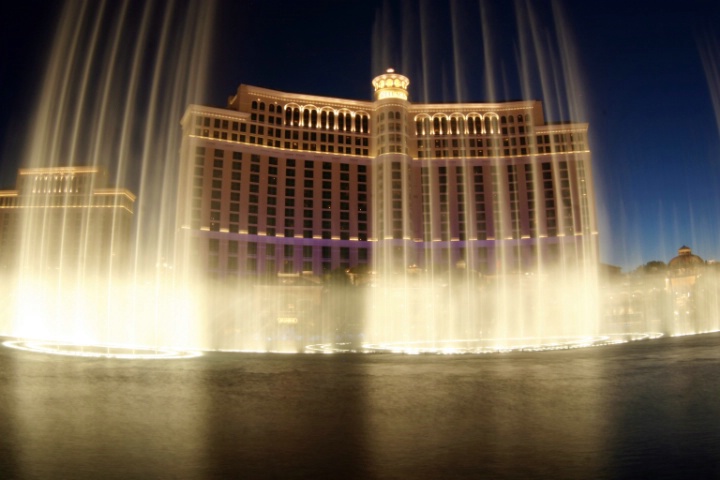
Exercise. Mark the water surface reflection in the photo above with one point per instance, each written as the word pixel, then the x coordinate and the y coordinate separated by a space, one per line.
pixel 625 411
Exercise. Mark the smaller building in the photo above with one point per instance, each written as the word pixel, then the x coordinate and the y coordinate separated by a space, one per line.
pixel 683 276
pixel 684 270
pixel 67 219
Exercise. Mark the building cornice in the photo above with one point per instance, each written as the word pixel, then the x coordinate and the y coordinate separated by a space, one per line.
pixel 284 97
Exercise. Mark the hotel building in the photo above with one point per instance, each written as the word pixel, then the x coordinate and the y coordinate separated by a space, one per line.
pixel 282 182
pixel 65 219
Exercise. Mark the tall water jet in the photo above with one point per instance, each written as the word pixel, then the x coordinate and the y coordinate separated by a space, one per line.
pixel 463 227
pixel 117 80
pixel 484 213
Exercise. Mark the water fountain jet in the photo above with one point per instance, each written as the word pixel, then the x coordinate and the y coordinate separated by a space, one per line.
pixel 479 229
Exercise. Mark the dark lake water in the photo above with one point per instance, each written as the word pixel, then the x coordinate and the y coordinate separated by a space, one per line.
pixel 642 410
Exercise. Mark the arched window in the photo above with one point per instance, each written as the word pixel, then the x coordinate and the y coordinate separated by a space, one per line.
pixel 262 106
pixel 444 125
pixel 296 116
pixel 436 126
pixel 494 122
pixel 313 119
pixel 331 120
pixel 323 119
pixel 461 126
pixel 365 124
pixel 306 118
pixel 358 121
pixel 341 121
pixel 288 116
pixel 520 118
pixel 477 126
pixel 511 119
pixel 272 108
pixel 254 105
pixel 419 127
pixel 453 126
pixel 503 119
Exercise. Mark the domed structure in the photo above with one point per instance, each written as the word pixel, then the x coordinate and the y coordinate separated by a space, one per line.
pixel 684 269
pixel 685 259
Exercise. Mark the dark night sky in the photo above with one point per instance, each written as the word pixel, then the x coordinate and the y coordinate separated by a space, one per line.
pixel 654 133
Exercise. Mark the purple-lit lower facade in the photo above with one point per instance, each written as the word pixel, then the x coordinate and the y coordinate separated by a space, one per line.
pixel 290 183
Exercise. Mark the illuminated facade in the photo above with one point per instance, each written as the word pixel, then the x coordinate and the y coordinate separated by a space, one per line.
pixel 279 182
pixel 65 218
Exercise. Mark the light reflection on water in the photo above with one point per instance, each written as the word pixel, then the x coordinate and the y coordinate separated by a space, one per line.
pixel 638 410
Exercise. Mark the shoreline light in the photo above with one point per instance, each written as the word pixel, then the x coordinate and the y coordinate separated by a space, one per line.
pixel 100 351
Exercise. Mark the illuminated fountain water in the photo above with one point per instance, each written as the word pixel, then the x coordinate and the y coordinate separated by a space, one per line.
pixel 503 277
pixel 84 272
pixel 115 90
pixel 435 290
